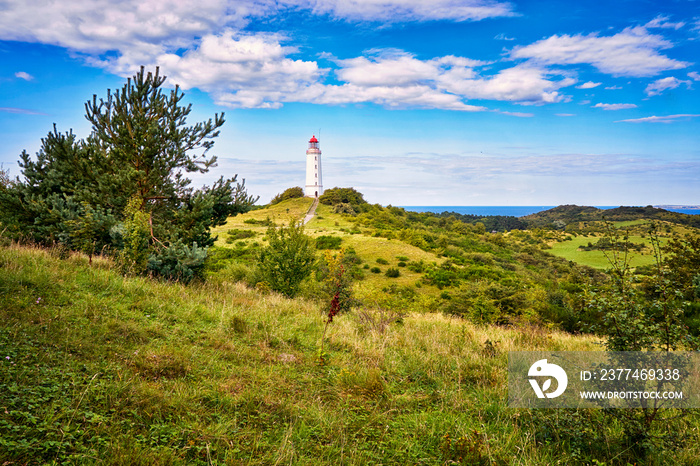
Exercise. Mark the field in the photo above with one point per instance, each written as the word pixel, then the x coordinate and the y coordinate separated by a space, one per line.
pixel 638 234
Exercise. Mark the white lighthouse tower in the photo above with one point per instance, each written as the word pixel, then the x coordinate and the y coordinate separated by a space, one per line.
pixel 314 186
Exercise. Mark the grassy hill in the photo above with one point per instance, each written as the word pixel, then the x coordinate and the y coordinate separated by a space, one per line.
pixel 99 368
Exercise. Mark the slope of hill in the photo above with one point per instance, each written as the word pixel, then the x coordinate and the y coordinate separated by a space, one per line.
pixel 443 264
pixel 102 369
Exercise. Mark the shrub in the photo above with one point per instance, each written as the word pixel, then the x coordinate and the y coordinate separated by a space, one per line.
pixel 328 242
pixel 235 234
pixel 375 270
pixel 382 261
pixel 289 193
pixel 288 258
pixel 335 196
pixel 179 262
pixel 392 272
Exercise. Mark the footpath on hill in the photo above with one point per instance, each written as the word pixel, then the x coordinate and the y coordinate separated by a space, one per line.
pixel 312 211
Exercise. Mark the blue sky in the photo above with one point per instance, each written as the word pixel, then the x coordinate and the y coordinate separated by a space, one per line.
pixel 441 102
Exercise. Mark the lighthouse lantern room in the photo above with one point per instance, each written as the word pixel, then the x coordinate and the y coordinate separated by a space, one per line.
pixel 314 186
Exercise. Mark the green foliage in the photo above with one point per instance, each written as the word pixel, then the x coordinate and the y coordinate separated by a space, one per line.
pixel 235 234
pixel 683 261
pixel 266 223
pixel 328 242
pixel 392 272
pixel 344 208
pixel 336 196
pixel 135 236
pixel 632 320
pixel 179 262
pixel 89 233
pixel 289 193
pixel 288 259
pixel 382 261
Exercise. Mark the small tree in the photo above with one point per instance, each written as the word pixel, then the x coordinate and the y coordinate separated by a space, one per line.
pixel 288 259
pixel 633 321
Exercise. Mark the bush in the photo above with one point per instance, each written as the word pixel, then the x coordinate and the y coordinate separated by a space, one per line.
pixel 382 261
pixel 179 262
pixel 375 270
pixel 335 196
pixel 266 223
pixel 328 242
pixel 288 259
pixel 289 193
pixel 392 272
pixel 235 234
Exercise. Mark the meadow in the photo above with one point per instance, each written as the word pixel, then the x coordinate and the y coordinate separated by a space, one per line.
pixel 99 368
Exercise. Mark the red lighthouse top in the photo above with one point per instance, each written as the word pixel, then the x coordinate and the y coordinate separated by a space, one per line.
pixel 313 140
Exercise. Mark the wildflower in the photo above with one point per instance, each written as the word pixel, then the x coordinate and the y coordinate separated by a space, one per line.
pixel 38 300
pixel 7 357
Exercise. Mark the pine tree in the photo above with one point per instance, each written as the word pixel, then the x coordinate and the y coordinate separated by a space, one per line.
pixel 141 149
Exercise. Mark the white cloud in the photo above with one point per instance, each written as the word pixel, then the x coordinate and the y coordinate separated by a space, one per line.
pixel 615 106
pixel 694 75
pixel 408 10
pixel 632 52
pixel 664 23
pixel 613 88
pixel 523 84
pixel 588 85
pixel 502 36
pixel 661 119
pixel 565 114
pixel 661 85
pixel 24 75
pixel 518 114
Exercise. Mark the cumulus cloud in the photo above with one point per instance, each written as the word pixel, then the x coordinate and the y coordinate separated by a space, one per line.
pixel 588 85
pixel 615 106
pixel 632 52
pixel 522 83
pixel 694 75
pixel 661 85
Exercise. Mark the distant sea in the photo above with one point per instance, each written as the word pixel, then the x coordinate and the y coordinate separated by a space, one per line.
pixel 515 211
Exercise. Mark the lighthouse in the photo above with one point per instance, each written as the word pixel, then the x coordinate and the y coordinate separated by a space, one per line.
pixel 314 186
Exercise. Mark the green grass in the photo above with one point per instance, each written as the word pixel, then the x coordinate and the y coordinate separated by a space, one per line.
pixel 102 369
pixel 569 250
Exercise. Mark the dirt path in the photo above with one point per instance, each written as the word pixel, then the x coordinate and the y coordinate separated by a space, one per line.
pixel 311 212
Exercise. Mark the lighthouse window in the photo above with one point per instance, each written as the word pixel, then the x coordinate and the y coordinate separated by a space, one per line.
pixel 315 166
